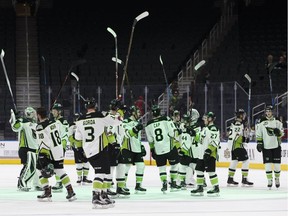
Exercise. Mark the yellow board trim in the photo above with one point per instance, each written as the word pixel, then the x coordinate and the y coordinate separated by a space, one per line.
pixel 284 167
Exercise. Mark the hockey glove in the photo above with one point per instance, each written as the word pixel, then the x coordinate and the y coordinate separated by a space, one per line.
pixel 137 128
pixel 277 132
pixel 48 171
pixel 81 154
pixel 191 131
pixel 259 146
pixel 116 149
pixel 143 151
pixel 153 154
pixel 181 153
pixel 43 160
pixel 206 157
pixel 245 139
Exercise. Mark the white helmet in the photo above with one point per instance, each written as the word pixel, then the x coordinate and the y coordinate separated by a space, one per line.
pixel 194 116
pixel 30 113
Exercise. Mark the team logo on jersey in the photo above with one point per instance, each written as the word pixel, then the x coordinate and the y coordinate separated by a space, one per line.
pixel 227 153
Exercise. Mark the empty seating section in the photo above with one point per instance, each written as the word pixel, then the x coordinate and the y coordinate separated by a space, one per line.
pixel 67 34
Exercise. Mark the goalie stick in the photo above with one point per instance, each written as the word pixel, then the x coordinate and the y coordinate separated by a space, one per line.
pixel 7 79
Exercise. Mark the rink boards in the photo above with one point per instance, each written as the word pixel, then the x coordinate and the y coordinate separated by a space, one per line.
pixel 9 155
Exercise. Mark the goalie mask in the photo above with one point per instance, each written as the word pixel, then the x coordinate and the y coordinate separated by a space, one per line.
pixel 194 116
pixel 30 113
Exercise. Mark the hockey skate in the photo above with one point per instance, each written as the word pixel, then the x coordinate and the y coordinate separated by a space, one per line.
pixel 86 181
pixel 58 187
pixel 79 180
pixel 139 189
pixel 98 201
pixel 112 194
pixel 174 187
pixel 164 187
pixel 270 183
pixel 183 185
pixel 246 183
pixel 231 182
pixel 21 187
pixel 198 191
pixel 105 197
pixel 122 193
pixel 46 196
pixel 277 182
pixel 214 192
pixel 71 196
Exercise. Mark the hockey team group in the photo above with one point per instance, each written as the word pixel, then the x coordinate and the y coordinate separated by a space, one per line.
pixel 110 142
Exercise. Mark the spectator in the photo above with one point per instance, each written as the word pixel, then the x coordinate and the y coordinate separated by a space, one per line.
pixel 140 103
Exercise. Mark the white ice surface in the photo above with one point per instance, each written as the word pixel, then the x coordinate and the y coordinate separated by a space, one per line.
pixel 233 201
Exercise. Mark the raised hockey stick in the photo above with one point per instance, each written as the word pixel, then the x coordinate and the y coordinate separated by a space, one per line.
pixel 119 61
pixel 166 81
pixel 139 17
pixel 249 99
pixel 74 64
pixel 7 79
pixel 116 56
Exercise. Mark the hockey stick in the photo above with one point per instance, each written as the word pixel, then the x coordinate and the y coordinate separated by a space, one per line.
pixel 139 17
pixel 74 64
pixel 116 56
pixel 166 81
pixel 7 79
pixel 78 89
pixel 199 65
pixel 249 98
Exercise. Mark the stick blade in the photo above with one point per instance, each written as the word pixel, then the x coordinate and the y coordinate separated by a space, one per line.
pixel 199 65
pixel 119 61
pixel 160 59
pixel 2 53
pixel 141 16
pixel 112 32
pixel 248 78
pixel 75 76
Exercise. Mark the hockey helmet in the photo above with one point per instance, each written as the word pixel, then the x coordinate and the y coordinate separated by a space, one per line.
pixel 90 103
pixel 239 112
pixel 155 110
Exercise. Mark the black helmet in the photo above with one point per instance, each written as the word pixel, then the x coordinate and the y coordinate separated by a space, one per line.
pixel 176 113
pixel 239 112
pixel 269 107
pixel 57 106
pixel 115 104
pixel 155 110
pixel 132 109
pixel 90 103
pixel 210 115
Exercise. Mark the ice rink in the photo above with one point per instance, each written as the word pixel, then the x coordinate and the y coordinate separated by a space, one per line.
pixel 236 201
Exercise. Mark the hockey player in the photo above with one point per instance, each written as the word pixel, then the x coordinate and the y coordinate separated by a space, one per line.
pixel 237 141
pixel 210 140
pixel 132 150
pixel 115 137
pixel 189 147
pixel 160 132
pixel 268 134
pixel 92 140
pixel 51 154
pixel 57 112
pixel 26 129
pixel 81 162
